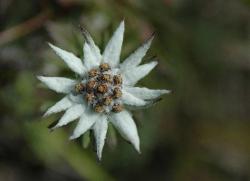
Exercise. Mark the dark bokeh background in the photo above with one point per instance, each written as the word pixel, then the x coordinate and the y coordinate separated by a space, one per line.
pixel 199 132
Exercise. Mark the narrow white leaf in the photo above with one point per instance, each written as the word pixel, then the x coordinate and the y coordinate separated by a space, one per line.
pixel 85 123
pixel 145 93
pixel 90 60
pixel 125 124
pixel 133 75
pixel 58 84
pixel 136 57
pixel 130 99
pixel 70 115
pixel 94 49
pixel 111 54
pixel 73 62
pixel 100 131
pixel 61 105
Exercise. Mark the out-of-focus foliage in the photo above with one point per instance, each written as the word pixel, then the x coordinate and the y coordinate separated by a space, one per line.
pixel 199 132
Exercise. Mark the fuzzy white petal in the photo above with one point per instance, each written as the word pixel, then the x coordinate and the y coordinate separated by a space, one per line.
pixel 100 131
pixel 130 99
pixel 85 123
pixel 70 115
pixel 93 48
pixel 136 57
pixel 61 105
pixel 58 84
pixel 145 93
pixel 125 124
pixel 74 63
pixel 111 54
pixel 133 75
pixel 90 60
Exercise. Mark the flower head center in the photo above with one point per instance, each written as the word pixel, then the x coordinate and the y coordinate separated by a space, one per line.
pixel 102 89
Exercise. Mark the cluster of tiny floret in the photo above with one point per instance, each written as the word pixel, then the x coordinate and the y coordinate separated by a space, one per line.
pixel 102 89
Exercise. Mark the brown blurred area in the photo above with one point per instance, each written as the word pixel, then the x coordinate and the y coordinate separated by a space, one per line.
pixel 198 132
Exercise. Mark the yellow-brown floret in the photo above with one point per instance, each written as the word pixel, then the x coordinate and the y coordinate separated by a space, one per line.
pixel 98 108
pixel 91 85
pixel 106 78
pixel 102 88
pixel 117 79
pixel 89 97
pixel 107 100
pixel 93 72
pixel 117 108
pixel 104 67
pixel 117 93
pixel 79 87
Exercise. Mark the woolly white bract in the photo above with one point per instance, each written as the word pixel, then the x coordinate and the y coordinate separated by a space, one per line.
pixel 76 107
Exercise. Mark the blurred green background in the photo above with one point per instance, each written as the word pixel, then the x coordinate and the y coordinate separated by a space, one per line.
pixel 199 132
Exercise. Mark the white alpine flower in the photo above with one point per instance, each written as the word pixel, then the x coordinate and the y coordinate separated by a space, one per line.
pixel 104 91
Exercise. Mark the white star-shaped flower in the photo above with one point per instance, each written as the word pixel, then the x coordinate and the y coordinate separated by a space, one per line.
pixel 104 91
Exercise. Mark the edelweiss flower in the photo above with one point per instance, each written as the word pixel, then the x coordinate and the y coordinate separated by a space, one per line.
pixel 104 91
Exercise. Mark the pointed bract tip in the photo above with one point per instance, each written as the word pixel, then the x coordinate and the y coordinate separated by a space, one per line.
pixel 48 42
pixel 71 137
pixel 166 91
pixel 39 77
pixel 170 92
pixel 58 125
pixel 136 145
pixel 148 41
pixel 46 114
pixel 56 49
pixel 139 151
pixel 137 148
pixel 154 63
pixel 51 45
pixel 122 24
pixel 99 156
